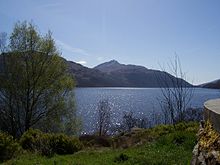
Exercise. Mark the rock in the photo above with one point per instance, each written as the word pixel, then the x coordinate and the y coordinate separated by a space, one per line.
pixel 201 160
pixel 195 154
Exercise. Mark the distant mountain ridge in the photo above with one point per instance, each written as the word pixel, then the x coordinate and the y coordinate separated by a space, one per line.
pixel 213 84
pixel 87 77
pixel 114 74
pixel 114 65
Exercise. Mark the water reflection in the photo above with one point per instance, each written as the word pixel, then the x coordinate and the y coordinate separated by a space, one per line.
pixel 141 101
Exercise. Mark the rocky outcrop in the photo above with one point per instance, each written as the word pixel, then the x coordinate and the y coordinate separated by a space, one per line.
pixel 207 150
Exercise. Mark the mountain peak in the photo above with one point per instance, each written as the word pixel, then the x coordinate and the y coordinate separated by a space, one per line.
pixel 114 65
pixel 113 62
pixel 109 66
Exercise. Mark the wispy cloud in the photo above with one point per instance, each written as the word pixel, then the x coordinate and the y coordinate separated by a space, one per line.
pixel 82 62
pixel 69 48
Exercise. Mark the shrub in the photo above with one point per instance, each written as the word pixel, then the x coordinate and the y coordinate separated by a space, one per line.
pixel 179 138
pixel 37 141
pixel 31 140
pixel 187 140
pixel 162 130
pixel 8 147
pixel 181 126
pixel 49 144
pixel 63 144
pixel 121 158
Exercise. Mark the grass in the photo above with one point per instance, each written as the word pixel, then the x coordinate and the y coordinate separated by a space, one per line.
pixel 169 147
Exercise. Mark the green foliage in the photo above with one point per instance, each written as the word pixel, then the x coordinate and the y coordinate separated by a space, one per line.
pixel 8 147
pixel 30 140
pixel 143 136
pixel 63 144
pixel 49 144
pixel 185 139
pixel 171 147
pixel 141 155
pixel 179 139
pixel 36 89
pixel 37 141
pixel 121 158
pixel 166 129
pixel 162 130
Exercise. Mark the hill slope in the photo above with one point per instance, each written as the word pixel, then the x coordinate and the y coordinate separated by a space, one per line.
pixel 114 74
pixel 86 77
pixel 213 84
pixel 137 76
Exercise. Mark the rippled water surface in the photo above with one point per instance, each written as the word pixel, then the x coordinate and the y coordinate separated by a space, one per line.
pixel 141 101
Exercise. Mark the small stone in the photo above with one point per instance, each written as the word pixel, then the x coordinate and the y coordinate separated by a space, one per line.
pixel 215 154
pixel 195 154
pixel 201 159
pixel 196 150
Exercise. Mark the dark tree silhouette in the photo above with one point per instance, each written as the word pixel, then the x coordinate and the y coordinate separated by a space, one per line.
pixel 104 117
pixel 176 93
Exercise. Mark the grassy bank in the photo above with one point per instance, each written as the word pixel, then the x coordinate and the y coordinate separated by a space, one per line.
pixel 163 145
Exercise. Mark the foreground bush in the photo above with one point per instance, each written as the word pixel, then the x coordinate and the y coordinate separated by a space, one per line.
pixel 49 144
pixel 8 147
pixel 158 145
pixel 32 140
pixel 63 144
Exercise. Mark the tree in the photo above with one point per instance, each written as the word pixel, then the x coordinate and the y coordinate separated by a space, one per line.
pixel 35 88
pixel 3 40
pixel 176 93
pixel 104 117
pixel 129 121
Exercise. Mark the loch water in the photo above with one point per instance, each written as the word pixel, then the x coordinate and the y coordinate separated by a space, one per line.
pixel 140 101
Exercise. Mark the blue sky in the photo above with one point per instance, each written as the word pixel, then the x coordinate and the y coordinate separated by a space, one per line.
pixel 142 32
